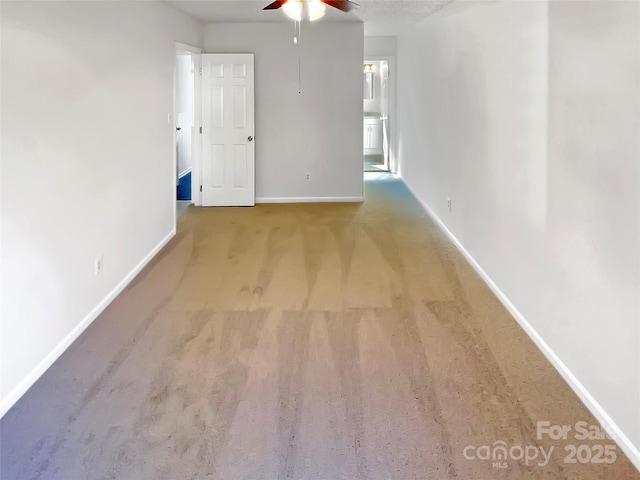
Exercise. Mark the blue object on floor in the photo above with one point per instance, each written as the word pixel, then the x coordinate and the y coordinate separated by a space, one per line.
pixel 184 187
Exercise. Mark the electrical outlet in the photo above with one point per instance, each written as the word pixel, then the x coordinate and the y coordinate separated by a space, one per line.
pixel 308 177
pixel 99 265
pixel 449 203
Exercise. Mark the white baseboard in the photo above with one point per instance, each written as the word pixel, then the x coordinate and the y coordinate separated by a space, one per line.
pixel 625 444
pixel 309 199
pixel 59 349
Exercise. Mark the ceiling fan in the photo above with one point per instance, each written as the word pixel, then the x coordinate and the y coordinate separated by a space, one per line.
pixel 314 8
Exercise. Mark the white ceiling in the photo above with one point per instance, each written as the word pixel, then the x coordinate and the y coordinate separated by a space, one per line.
pixel 381 17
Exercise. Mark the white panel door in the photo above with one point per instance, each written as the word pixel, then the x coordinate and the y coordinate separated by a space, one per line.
pixel 228 149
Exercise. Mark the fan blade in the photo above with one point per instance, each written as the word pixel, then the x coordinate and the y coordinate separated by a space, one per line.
pixel 275 5
pixel 344 5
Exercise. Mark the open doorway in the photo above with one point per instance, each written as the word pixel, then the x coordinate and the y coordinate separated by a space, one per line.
pixel 379 115
pixel 376 116
pixel 184 119
pixel 184 115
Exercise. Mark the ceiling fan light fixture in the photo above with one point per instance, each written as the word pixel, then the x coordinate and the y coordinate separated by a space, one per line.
pixel 293 9
pixel 316 9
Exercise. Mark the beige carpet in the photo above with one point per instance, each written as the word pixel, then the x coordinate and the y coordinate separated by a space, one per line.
pixel 328 341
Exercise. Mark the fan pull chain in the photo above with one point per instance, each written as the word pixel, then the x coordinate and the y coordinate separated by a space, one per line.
pixel 299 57
pixel 296 39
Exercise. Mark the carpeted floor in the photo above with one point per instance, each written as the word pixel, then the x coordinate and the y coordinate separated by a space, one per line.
pixel 374 163
pixel 184 187
pixel 181 206
pixel 325 341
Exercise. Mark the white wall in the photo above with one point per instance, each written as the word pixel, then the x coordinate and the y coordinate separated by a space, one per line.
pixel 87 163
pixel 527 115
pixel 380 46
pixel 318 131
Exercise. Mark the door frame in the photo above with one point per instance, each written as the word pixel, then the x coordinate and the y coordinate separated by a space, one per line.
pixel 393 124
pixel 182 48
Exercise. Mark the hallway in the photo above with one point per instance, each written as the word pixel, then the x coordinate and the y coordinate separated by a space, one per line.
pixel 301 341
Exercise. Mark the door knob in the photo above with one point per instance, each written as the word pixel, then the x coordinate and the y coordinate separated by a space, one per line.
pixel 178 128
pixel 250 138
